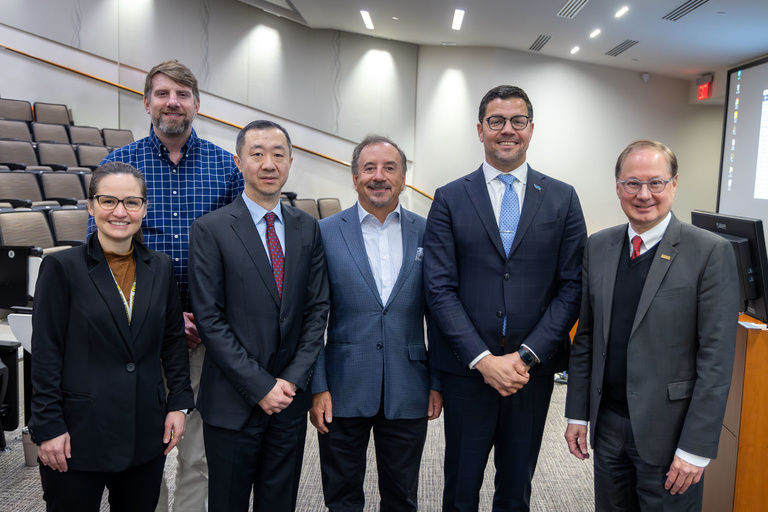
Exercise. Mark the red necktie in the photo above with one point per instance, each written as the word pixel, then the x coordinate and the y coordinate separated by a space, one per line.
pixel 275 252
pixel 636 243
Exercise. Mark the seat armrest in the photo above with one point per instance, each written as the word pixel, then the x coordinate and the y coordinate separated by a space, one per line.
pixel 17 203
pixel 14 166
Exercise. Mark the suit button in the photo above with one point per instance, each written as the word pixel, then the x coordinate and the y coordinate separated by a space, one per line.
pixel 499 314
pixel 282 319
pixel 379 346
pixel 130 367
pixel 599 391
pixel 386 311
pixel 603 355
pixel 506 277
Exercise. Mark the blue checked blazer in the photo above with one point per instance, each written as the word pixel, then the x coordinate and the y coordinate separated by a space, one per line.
pixel 371 344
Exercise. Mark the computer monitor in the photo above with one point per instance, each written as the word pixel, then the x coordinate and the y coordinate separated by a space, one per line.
pixel 748 241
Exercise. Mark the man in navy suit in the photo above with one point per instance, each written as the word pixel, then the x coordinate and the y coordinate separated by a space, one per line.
pixel 259 292
pixel 502 273
pixel 373 371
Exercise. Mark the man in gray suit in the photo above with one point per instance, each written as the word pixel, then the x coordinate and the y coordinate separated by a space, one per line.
pixel 652 358
pixel 373 372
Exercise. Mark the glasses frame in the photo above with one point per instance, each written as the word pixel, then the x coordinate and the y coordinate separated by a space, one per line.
pixel 98 200
pixel 646 183
pixel 528 120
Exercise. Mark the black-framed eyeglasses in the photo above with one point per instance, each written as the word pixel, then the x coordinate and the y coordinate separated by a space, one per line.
pixel 496 123
pixel 656 185
pixel 130 203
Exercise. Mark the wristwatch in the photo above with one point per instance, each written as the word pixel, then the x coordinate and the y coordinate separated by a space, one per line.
pixel 527 357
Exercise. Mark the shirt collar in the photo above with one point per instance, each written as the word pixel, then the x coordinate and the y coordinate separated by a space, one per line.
pixel 653 235
pixel 362 213
pixel 258 212
pixel 159 147
pixel 521 173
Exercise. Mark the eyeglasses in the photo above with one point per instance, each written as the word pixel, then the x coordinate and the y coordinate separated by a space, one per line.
pixel 496 123
pixel 130 203
pixel 655 186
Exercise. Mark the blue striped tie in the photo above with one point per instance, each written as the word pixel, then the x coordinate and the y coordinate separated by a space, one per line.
pixel 510 212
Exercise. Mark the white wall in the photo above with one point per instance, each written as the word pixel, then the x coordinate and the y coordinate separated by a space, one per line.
pixel 330 89
pixel 584 117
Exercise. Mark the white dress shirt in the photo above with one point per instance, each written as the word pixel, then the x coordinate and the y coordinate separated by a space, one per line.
pixel 257 214
pixel 384 246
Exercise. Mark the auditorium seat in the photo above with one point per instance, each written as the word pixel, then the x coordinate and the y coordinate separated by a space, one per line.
pixel 18 110
pixel 91 156
pixel 59 157
pixel 85 135
pixel 328 206
pixel 54 113
pixel 67 185
pixel 46 132
pixel 114 138
pixel 19 154
pixel 69 225
pixel 10 129
pixel 307 205
pixel 17 187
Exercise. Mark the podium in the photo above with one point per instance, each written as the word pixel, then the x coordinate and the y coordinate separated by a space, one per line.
pixel 735 481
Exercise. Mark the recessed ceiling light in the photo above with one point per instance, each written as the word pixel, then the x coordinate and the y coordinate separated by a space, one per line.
pixel 395 18
pixel 448 43
pixel 574 50
pixel 621 12
pixel 595 33
pixel 458 18
pixel 367 20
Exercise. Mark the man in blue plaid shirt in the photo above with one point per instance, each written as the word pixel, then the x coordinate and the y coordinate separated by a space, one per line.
pixel 186 178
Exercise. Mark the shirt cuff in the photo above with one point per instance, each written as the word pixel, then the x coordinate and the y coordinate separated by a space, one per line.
pixel 478 358
pixel 577 422
pixel 690 458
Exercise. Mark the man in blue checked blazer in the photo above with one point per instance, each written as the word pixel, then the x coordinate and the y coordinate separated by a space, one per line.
pixel 373 372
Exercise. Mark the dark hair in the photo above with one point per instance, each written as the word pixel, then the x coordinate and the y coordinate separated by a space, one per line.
pixel 114 168
pixel 375 139
pixel 177 72
pixel 260 124
pixel 648 144
pixel 503 92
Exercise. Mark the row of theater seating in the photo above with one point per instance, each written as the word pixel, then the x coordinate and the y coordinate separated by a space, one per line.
pixel 320 209
pixel 51 156
pixel 34 188
pixel 53 122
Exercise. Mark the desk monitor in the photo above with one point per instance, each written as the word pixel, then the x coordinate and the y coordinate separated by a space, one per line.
pixel 748 240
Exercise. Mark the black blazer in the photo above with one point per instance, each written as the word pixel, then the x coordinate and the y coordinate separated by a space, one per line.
pixel 98 377
pixel 251 336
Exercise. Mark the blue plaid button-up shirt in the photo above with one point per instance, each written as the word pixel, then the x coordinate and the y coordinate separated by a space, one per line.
pixel 205 179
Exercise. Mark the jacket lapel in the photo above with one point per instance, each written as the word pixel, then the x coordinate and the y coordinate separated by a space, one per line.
pixel 145 281
pixel 292 251
pixel 246 231
pixel 104 283
pixel 665 255
pixel 609 259
pixel 410 237
pixel 353 237
pixel 477 190
pixel 535 188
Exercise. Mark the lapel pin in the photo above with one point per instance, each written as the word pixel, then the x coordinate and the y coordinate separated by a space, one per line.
pixel 665 257
pixel 419 254
pixel 536 186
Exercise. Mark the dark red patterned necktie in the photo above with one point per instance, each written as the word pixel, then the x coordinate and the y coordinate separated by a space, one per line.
pixel 275 252
pixel 636 242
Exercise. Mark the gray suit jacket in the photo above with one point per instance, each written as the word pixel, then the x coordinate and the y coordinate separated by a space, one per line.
pixel 681 347
pixel 371 344
pixel 251 335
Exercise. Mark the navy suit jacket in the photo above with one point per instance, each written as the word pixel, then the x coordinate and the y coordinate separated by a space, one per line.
pixel 94 374
pixel 472 285
pixel 369 343
pixel 251 336
pixel 681 347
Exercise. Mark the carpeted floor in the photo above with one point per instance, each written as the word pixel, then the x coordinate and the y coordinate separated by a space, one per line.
pixel 562 483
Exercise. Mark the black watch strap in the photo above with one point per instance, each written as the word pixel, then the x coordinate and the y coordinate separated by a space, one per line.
pixel 526 356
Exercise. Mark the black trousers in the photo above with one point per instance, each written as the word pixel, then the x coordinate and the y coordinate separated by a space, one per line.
pixel 626 483
pixel 399 445
pixel 135 489
pixel 265 456
pixel 477 418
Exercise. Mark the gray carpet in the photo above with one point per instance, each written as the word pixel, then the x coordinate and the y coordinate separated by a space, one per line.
pixel 562 483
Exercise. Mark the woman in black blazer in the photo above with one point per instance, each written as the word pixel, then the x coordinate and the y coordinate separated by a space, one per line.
pixel 107 320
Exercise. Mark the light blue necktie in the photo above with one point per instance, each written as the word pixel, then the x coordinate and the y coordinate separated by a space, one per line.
pixel 510 212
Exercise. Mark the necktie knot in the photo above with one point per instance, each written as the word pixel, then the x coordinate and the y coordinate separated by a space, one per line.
pixel 636 243
pixel 270 218
pixel 507 179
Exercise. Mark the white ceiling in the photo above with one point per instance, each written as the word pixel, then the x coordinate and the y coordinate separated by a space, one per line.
pixel 714 35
